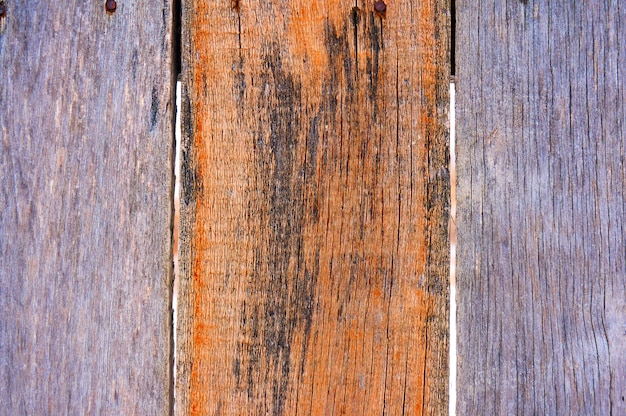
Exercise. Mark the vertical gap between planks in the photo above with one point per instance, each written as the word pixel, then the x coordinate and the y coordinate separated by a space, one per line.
pixel 176 69
pixel 176 233
pixel 452 38
pixel 452 234
pixel 452 352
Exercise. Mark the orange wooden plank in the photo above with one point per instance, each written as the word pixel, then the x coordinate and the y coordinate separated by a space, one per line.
pixel 315 221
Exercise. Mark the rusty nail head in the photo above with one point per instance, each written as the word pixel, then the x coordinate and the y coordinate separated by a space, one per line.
pixel 110 6
pixel 3 10
pixel 380 7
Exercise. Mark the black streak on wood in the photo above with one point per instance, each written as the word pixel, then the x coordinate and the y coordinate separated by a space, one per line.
pixel 286 293
pixel 190 186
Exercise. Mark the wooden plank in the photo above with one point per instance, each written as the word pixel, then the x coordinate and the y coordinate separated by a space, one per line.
pixel 86 185
pixel 541 179
pixel 315 208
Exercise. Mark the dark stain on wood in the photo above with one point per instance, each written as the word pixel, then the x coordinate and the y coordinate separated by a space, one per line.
pixel 154 109
pixel 312 142
pixel 239 84
pixel 337 49
pixel 189 183
pixel 375 33
pixel 134 63
pixel 285 291
pixel 355 18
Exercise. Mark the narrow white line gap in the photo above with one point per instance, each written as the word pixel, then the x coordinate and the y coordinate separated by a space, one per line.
pixel 453 357
pixel 176 228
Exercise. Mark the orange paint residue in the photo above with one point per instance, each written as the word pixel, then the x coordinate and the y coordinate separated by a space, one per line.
pixel 204 330
pixel 305 36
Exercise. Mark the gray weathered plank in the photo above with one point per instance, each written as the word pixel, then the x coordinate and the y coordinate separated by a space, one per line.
pixel 541 178
pixel 85 208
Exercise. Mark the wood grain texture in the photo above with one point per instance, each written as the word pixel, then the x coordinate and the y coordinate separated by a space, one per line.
pixel 541 233
pixel 314 208
pixel 85 208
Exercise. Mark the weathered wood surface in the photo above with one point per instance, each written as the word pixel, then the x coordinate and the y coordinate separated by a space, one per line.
pixel 314 208
pixel 85 208
pixel 541 204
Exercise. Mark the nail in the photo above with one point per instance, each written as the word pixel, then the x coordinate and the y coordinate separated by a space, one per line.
pixel 110 6
pixel 380 7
